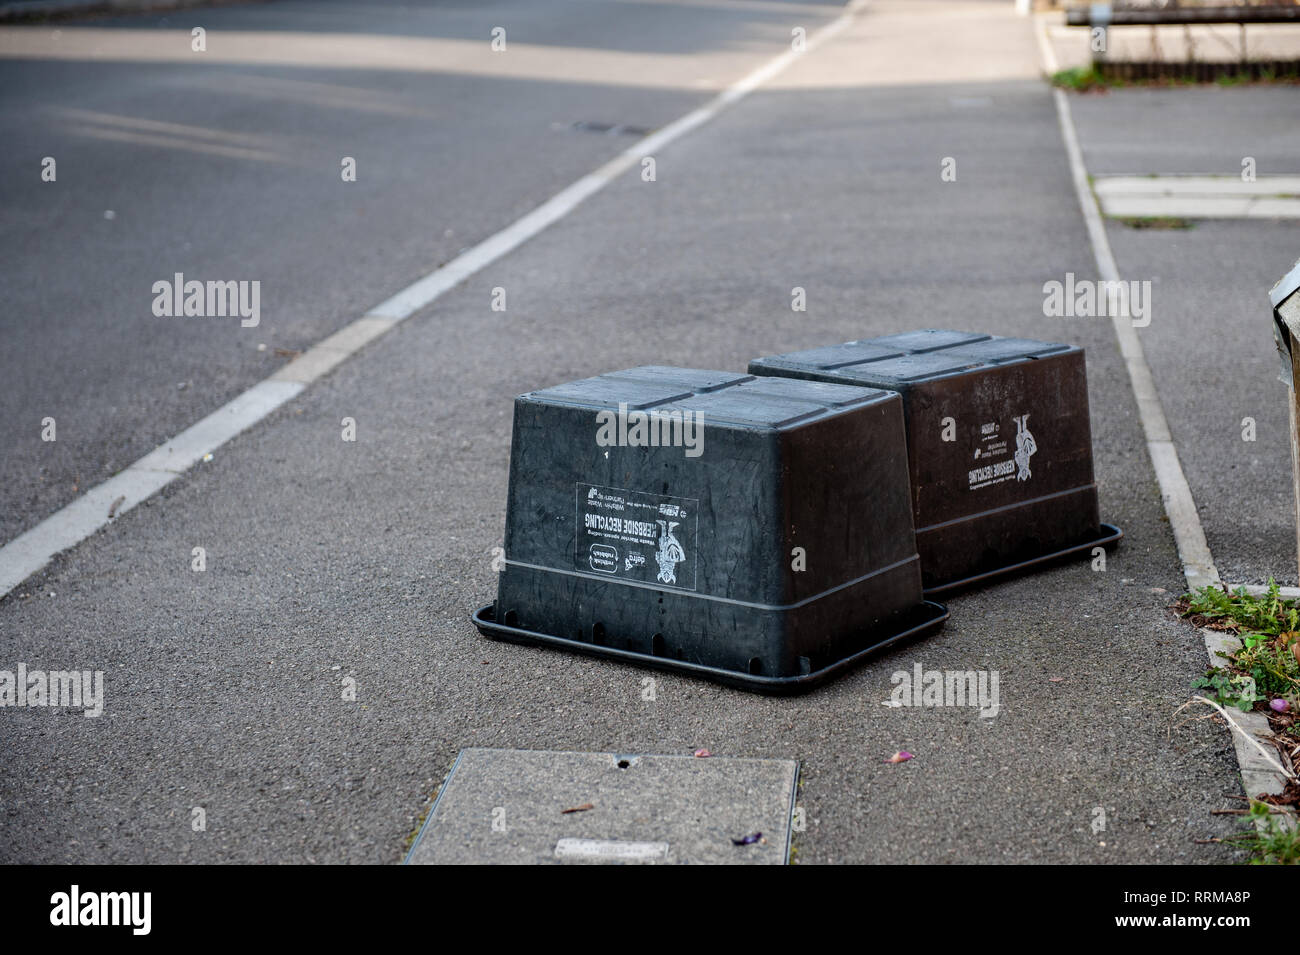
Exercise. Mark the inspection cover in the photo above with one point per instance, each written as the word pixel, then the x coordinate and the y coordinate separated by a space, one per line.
pixel 507 806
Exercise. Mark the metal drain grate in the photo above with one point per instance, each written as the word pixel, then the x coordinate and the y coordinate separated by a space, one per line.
pixel 612 129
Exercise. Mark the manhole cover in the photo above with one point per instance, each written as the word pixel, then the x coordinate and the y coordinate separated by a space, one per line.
pixel 534 807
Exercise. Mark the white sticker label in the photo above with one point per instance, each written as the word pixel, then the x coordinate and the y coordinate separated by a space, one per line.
pixel 637 536
pixel 611 849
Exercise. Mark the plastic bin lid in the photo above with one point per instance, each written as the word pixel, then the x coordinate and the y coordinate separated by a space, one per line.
pixel 721 397
pixel 695 379
pixel 926 339
pixel 999 350
pixel 908 368
pixel 909 357
pixel 837 356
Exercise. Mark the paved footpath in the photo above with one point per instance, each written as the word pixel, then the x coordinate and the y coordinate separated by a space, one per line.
pixel 1210 342
pixel 329 559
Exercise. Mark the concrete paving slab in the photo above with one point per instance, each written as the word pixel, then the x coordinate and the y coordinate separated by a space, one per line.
pixel 1200 207
pixel 1110 186
pixel 1199 197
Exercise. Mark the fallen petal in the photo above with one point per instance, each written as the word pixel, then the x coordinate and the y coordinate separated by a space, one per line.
pixel 583 808
pixel 901 756
pixel 748 840
pixel 1279 705
pixel 702 754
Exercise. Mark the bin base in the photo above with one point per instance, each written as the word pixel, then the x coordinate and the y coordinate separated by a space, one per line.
pixel 923 620
pixel 1108 538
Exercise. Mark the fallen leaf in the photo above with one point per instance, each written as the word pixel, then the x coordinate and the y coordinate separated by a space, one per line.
pixel 112 508
pixel 583 808
pixel 901 756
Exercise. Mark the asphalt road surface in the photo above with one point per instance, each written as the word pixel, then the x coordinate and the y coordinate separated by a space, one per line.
pixel 225 170
pixel 330 560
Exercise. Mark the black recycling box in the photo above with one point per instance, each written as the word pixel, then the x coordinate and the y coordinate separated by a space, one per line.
pixel 999 445
pixel 756 531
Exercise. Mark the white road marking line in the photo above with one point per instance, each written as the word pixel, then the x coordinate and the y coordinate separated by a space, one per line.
pixel 324 355
pixel 182 452
pixel 1198 564
pixel 29 552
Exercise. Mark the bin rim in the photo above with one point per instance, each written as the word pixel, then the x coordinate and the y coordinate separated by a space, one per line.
pixel 925 618
pixel 1109 538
